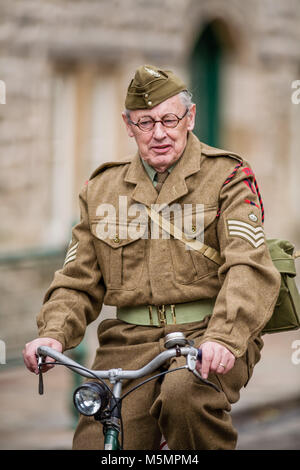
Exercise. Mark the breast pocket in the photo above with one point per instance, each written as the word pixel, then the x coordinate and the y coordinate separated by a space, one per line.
pixel 189 264
pixel 121 253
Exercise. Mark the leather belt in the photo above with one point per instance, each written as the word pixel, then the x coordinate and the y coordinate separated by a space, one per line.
pixel 162 315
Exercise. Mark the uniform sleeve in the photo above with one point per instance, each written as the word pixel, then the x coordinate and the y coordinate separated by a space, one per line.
pixel 250 282
pixel 74 299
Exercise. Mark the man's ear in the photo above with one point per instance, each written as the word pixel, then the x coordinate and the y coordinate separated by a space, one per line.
pixel 128 126
pixel 191 117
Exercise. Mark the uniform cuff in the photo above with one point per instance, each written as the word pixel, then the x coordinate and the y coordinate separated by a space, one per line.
pixel 54 335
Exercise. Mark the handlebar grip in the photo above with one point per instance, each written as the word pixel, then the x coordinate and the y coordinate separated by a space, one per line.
pixel 199 355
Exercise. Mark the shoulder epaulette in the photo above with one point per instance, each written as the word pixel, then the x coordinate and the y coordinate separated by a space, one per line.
pixel 106 165
pixel 209 151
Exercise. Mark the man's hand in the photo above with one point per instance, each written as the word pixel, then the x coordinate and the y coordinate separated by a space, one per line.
pixel 215 358
pixel 29 353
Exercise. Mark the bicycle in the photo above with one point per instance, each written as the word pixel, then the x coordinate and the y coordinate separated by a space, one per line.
pixel 99 400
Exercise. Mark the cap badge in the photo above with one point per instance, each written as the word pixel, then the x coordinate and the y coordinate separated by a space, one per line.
pixel 152 72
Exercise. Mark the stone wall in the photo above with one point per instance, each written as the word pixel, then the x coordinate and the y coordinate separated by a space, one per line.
pixel 23 283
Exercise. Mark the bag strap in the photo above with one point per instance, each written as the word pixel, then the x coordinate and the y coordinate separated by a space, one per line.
pixel 168 227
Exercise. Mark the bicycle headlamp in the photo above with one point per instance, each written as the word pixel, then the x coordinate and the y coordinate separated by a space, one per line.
pixel 90 398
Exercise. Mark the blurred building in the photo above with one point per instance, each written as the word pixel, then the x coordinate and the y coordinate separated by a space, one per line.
pixel 64 68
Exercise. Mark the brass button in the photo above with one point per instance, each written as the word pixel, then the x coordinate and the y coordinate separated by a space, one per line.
pixel 117 239
pixel 146 95
pixel 149 103
pixel 193 228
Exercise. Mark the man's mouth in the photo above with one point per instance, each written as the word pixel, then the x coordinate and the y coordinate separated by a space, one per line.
pixel 161 148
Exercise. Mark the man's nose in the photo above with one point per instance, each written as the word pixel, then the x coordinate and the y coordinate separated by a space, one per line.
pixel 159 130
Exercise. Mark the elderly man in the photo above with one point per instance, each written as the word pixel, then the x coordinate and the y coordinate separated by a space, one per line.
pixel 221 303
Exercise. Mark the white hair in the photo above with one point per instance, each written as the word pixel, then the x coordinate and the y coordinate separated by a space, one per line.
pixel 185 97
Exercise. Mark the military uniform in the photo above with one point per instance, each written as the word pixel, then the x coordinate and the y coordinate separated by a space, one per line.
pixel 139 271
pixel 223 291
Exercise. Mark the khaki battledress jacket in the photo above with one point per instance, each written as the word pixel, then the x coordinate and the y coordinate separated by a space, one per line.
pixel 128 267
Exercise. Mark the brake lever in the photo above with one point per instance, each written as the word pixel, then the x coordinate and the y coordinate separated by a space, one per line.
pixel 41 381
pixel 191 362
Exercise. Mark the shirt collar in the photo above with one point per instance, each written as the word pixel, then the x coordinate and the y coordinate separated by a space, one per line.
pixel 151 172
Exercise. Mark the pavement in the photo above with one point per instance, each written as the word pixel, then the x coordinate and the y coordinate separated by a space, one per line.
pixel 268 410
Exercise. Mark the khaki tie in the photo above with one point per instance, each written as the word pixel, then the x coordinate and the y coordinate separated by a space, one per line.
pixel 161 178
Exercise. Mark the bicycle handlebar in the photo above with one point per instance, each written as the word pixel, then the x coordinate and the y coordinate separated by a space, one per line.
pixel 117 374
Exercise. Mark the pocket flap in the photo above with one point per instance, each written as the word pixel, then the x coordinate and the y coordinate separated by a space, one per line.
pixel 281 252
pixel 193 221
pixel 118 234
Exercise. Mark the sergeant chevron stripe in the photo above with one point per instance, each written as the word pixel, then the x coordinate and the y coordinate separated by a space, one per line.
pixel 254 235
pixel 71 254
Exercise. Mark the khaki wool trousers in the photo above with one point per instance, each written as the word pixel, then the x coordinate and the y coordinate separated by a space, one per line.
pixel 190 415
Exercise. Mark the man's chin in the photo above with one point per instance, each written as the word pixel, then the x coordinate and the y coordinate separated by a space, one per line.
pixel 162 161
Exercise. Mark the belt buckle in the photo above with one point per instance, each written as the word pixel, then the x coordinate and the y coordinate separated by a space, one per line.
pixel 173 313
pixel 161 315
pixel 150 314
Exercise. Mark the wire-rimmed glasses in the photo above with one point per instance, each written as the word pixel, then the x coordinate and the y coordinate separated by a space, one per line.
pixel 147 123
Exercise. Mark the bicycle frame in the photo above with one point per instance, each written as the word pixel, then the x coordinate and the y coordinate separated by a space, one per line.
pixel 115 377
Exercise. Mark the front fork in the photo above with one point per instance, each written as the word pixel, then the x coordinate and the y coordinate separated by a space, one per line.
pixel 111 440
pixel 111 422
